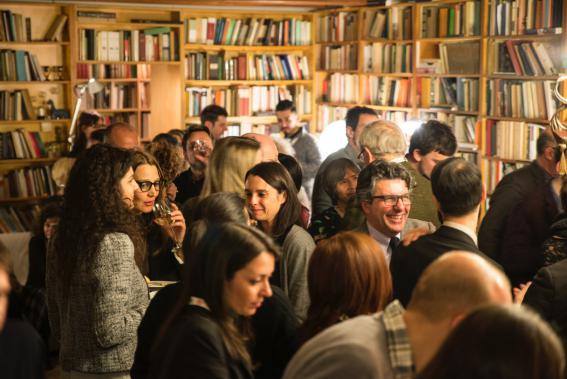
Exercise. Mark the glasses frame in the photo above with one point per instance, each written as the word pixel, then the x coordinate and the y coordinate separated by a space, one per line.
pixel 387 198
pixel 160 185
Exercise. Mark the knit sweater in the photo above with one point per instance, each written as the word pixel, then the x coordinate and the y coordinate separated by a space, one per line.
pixel 96 320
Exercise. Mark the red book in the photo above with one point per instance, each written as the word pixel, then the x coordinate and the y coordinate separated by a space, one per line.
pixel 514 57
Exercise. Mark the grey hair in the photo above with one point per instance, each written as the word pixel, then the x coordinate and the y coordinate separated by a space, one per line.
pixel 380 170
pixel 383 137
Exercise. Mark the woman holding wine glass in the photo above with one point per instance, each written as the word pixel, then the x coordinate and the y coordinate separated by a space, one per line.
pixel 165 225
pixel 96 292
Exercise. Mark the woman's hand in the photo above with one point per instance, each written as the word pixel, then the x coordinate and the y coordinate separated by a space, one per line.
pixel 175 230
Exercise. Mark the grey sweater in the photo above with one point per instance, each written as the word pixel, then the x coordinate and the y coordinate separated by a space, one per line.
pixel 297 249
pixel 96 322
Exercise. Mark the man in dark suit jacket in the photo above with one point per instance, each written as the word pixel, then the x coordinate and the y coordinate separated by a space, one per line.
pixel 458 191
pixel 512 189
pixel 383 190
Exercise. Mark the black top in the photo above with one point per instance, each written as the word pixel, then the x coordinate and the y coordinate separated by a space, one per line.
pixel 409 262
pixel 274 326
pixel 326 224
pixel 188 186
pixel 22 352
pixel 37 254
pixel 193 346
pixel 162 265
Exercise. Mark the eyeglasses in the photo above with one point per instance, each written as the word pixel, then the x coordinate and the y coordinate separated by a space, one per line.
pixel 391 200
pixel 146 185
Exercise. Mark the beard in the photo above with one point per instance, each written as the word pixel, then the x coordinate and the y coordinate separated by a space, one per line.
pixel 198 166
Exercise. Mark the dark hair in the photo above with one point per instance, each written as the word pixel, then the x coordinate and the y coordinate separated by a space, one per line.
pixel 86 120
pixel 353 115
pixel 347 276
pixel 380 170
pixel 169 159
pixel 544 141
pixel 52 208
pixel 431 136
pixel 220 207
pixel 334 173
pixel 167 138
pixel 93 208
pixel 177 133
pixel 498 341
pixel 563 192
pixel 211 113
pixel 194 129
pixel 292 166
pixel 285 105
pixel 276 175
pixel 223 250
pixel 457 185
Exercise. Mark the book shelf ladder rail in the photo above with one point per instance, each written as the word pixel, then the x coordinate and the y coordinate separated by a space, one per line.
pixel 558 128
pixel 92 87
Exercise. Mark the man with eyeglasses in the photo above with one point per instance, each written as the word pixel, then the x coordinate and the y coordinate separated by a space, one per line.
pixel 384 193
pixel 457 193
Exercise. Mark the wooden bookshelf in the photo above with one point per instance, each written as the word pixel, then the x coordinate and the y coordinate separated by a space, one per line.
pixel 228 48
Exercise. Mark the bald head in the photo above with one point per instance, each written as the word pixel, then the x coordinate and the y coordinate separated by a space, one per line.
pixel 456 283
pixel 122 135
pixel 267 146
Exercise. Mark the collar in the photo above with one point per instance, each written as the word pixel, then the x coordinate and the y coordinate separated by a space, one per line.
pixel 401 159
pixel 399 348
pixel 382 239
pixel 197 301
pixel 469 232
pixel 297 133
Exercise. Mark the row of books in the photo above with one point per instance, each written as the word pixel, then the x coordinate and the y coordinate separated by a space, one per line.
pixel 21 219
pixel 247 127
pixel 456 20
pixel 248 31
pixel 213 66
pixel 113 96
pixel 22 144
pixel 386 91
pixel 27 182
pixel 15 27
pixel 463 126
pixel 516 17
pixel 393 23
pixel 522 58
pixel 458 94
pixel 523 99
pixel 327 114
pixel 338 57
pixel 16 105
pixel 340 88
pixel 382 57
pixel 113 71
pixel 248 101
pixel 20 65
pixel 336 27
pixel 511 140
pixel 155 44
pixel 398 117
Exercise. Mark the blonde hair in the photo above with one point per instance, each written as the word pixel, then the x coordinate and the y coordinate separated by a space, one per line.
pixel 231 158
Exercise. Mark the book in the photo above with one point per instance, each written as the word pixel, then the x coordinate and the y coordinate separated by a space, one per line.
pixel 55 30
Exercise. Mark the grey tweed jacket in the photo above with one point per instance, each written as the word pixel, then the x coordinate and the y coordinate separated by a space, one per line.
pixel 97 320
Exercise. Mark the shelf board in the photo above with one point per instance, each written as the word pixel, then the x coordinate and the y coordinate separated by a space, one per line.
pixel 389 108
pixel 327 43
pixel 526 37
pixel 33 43
pixel 124 80
pixel 522 77
pixel 404 4
pixel 333 104
pixel 123 110
pixel 338 71
pixel 246 48
pixel 392 74
pixel 24 122
pixel 518 119
pixel 449 39
pixel 32 82
pixel 27 162
pixel 387 40
pixel 24 199
pixel 124 25
pixel 447 110
pixel 252 119
pixel 423 75
pixel 145 110
pixel 130 62
pixel 201 83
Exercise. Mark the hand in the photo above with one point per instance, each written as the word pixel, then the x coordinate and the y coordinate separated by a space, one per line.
pixel 520 292
pixel 413 235
pixel 175 230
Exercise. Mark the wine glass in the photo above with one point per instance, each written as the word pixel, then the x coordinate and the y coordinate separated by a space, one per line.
pixel 162 216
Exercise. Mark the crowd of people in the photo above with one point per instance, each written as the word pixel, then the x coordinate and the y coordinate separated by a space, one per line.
pixel 278 265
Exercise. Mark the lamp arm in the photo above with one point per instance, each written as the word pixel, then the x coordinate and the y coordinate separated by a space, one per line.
pixel 71 138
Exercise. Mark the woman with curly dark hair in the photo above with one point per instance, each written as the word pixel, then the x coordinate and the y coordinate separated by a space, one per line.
pixel 96 292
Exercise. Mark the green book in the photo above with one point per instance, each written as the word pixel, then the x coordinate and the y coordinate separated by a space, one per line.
pixel 451 29
pixel 156 31
pixel 229 33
